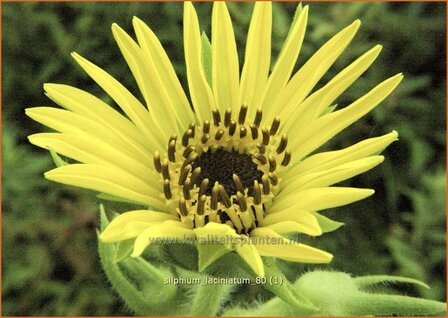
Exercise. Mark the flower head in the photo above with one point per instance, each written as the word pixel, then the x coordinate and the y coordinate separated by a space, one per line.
pixel 236 162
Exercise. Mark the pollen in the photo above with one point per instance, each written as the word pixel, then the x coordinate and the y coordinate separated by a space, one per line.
pixel 225 170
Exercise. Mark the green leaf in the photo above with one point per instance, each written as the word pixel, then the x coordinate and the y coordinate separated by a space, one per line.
pixel 209 299
pixel 326 224
pixel 123 250
pixel 329 109
pixel 209 253
pixel 140 284
pixel 58 161
pixel 299 303
pixel 367 281
pixel 380 305
pixel 206 57
pixel 338 294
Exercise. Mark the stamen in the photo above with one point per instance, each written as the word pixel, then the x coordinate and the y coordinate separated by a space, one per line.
pixel 272 163
pixel 184 173
pixel 201 204
pixel 188 150
pixel 157 162
pixel 206 127
pixel 173 137
pixel 257 193
pixel 274 126
pixel 186 189
pixel 172 150
pixel 166 170
pixel 183 207
pixel 214 198
pixel 232 127
pixel 192 127
pixel 265 133
pixel 261 148
pixel 205 138
pixel 242 114
pixel 258 117
pixel 238 184
pixel 224 196
pixel 219 134
pixel 216 117
pixel 167 189
pixel 260 158
pixel 273 177
pixel 195 174
pixel 186 136
pixel 241 201
pixel 283 144
pixel 191 157
pixel 226 173
pixel 266 184
pixel 243 132
pixel 254 131
pixel 286 158
pixel 227 117
pixel 247 220
pixel 203 187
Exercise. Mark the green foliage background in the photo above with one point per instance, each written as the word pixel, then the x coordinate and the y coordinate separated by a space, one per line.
pixel 50 263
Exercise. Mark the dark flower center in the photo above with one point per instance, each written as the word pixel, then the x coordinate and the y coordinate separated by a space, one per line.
pixel 221 165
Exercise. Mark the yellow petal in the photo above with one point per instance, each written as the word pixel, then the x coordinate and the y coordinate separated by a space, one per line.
pixel 88 105
pixel 331 159
pixel 131 224
pixel 93 150
pixel 168 231
pixel 76 124
pixel 257 59
pixel 200 92
pixel 225 68
pixel 325 127
pixel 109 180
pixel 164 71
pixel 290 227
pixel 320 198
pixel 148 80
pixel 249 254
pixel 286 249
pixel 221 232
pixel 286 60
pixel 127 102
pixel 306 220
pixel 311 72
pixel 314 105
pixel 329 177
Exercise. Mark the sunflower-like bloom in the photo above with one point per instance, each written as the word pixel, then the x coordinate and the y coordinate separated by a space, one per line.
pixel 233 163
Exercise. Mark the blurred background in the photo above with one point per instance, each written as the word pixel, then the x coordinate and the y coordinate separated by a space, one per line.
pixel 49 250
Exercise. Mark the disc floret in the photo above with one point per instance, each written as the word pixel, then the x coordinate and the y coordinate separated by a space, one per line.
pixel 226 170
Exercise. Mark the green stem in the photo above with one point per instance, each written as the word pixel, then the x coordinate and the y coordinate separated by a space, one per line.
pixel 209 299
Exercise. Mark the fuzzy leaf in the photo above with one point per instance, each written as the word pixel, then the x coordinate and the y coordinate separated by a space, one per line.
pixel 326 224
pixel 58 161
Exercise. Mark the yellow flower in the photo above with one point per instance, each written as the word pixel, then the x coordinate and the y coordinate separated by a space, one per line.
pixel 236 162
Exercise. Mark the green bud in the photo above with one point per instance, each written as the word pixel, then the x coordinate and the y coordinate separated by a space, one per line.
pixel 140 284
